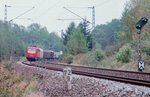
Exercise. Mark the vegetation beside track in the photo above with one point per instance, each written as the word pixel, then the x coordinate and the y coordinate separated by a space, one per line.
pixel 13 84
pixel 118 40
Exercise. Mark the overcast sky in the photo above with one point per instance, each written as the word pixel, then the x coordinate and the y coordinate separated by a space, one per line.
pixel 46 12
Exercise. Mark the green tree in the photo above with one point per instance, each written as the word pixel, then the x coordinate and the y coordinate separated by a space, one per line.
pixel 55 42
pixel 66 35
pixel 106 34
pixel 84 27
pixel 134 10
pixel 77 43
pixel 124 54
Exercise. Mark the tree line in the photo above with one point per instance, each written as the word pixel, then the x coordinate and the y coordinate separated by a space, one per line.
pixel 79 38
pixel 110 36
pixel 15 38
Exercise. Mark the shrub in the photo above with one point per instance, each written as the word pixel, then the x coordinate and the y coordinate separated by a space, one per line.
pixel 99 55
pixel 124 54
pixel 146 50
pixel 69 59
pixel 109 50
pixel 88 59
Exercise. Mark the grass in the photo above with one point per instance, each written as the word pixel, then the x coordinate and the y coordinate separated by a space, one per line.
pixel 85 59
pixel 14 85
pixel 32 87
pixel 110 62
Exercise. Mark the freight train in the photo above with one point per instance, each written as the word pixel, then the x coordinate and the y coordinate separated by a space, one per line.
pixel 34 53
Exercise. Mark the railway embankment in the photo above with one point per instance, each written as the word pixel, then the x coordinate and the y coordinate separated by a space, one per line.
pixel 14 84
pixel 51 84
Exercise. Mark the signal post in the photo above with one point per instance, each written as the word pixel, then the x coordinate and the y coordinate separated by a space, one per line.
pixel 139 25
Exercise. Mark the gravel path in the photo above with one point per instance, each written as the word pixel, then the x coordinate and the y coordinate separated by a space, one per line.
pixel 52 84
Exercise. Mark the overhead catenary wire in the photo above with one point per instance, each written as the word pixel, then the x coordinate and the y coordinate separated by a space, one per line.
pixel 46 11
pixel 69 19
pixel 30 19
pixel 77 7
pixel 22 14
pixel 47 7
pixel 76 15
pixel 39 5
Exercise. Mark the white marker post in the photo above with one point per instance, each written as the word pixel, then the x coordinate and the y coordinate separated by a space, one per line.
pixel 67 74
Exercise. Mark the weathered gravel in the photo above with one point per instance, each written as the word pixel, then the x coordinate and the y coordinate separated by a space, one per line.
pixel 52 84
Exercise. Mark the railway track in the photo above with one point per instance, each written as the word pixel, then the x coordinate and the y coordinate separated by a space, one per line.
pixel 137 78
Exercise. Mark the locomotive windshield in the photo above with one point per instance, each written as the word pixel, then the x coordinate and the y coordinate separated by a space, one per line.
pixel 31 50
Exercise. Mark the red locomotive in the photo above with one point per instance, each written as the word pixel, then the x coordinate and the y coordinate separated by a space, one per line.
pixel 34 53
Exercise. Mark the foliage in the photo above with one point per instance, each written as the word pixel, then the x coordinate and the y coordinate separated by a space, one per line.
pixel 88 59
pixel 91 58
pixel 76 43
pixel 84 27
pixel 14 85
pixel 106 34
pixel 69 59
pixel 146 50
pixel 145 46
pixel 124 54
pixel 5 93
pixel 66 35
pixel 55 42
pixel 15 38
pixel 40 36
pixel 99 55
pixel 9 41
pixel 134 10
pixel 7 81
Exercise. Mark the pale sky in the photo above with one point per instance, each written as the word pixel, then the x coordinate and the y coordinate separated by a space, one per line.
pixel 46 12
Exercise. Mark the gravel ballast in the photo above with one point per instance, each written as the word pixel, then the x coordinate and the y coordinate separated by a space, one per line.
pixel 52 84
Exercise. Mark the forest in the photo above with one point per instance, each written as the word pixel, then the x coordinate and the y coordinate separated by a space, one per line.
pixel 15 38
pixel 117 38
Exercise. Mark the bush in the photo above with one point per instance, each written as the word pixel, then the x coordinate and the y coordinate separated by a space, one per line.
pixel 99 55
pixel 69 59
pixel 124 54
pixel 146 50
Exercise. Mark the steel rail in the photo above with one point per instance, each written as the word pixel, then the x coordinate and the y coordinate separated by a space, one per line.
pixel 143 79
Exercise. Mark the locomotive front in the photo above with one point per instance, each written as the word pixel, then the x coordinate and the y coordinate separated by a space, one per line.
pixel 31 53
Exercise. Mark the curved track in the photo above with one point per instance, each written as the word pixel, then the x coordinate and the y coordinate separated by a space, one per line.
pixel 138 78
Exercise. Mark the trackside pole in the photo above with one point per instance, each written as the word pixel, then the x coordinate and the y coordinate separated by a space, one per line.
pixel 139 25
pixel 140 60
